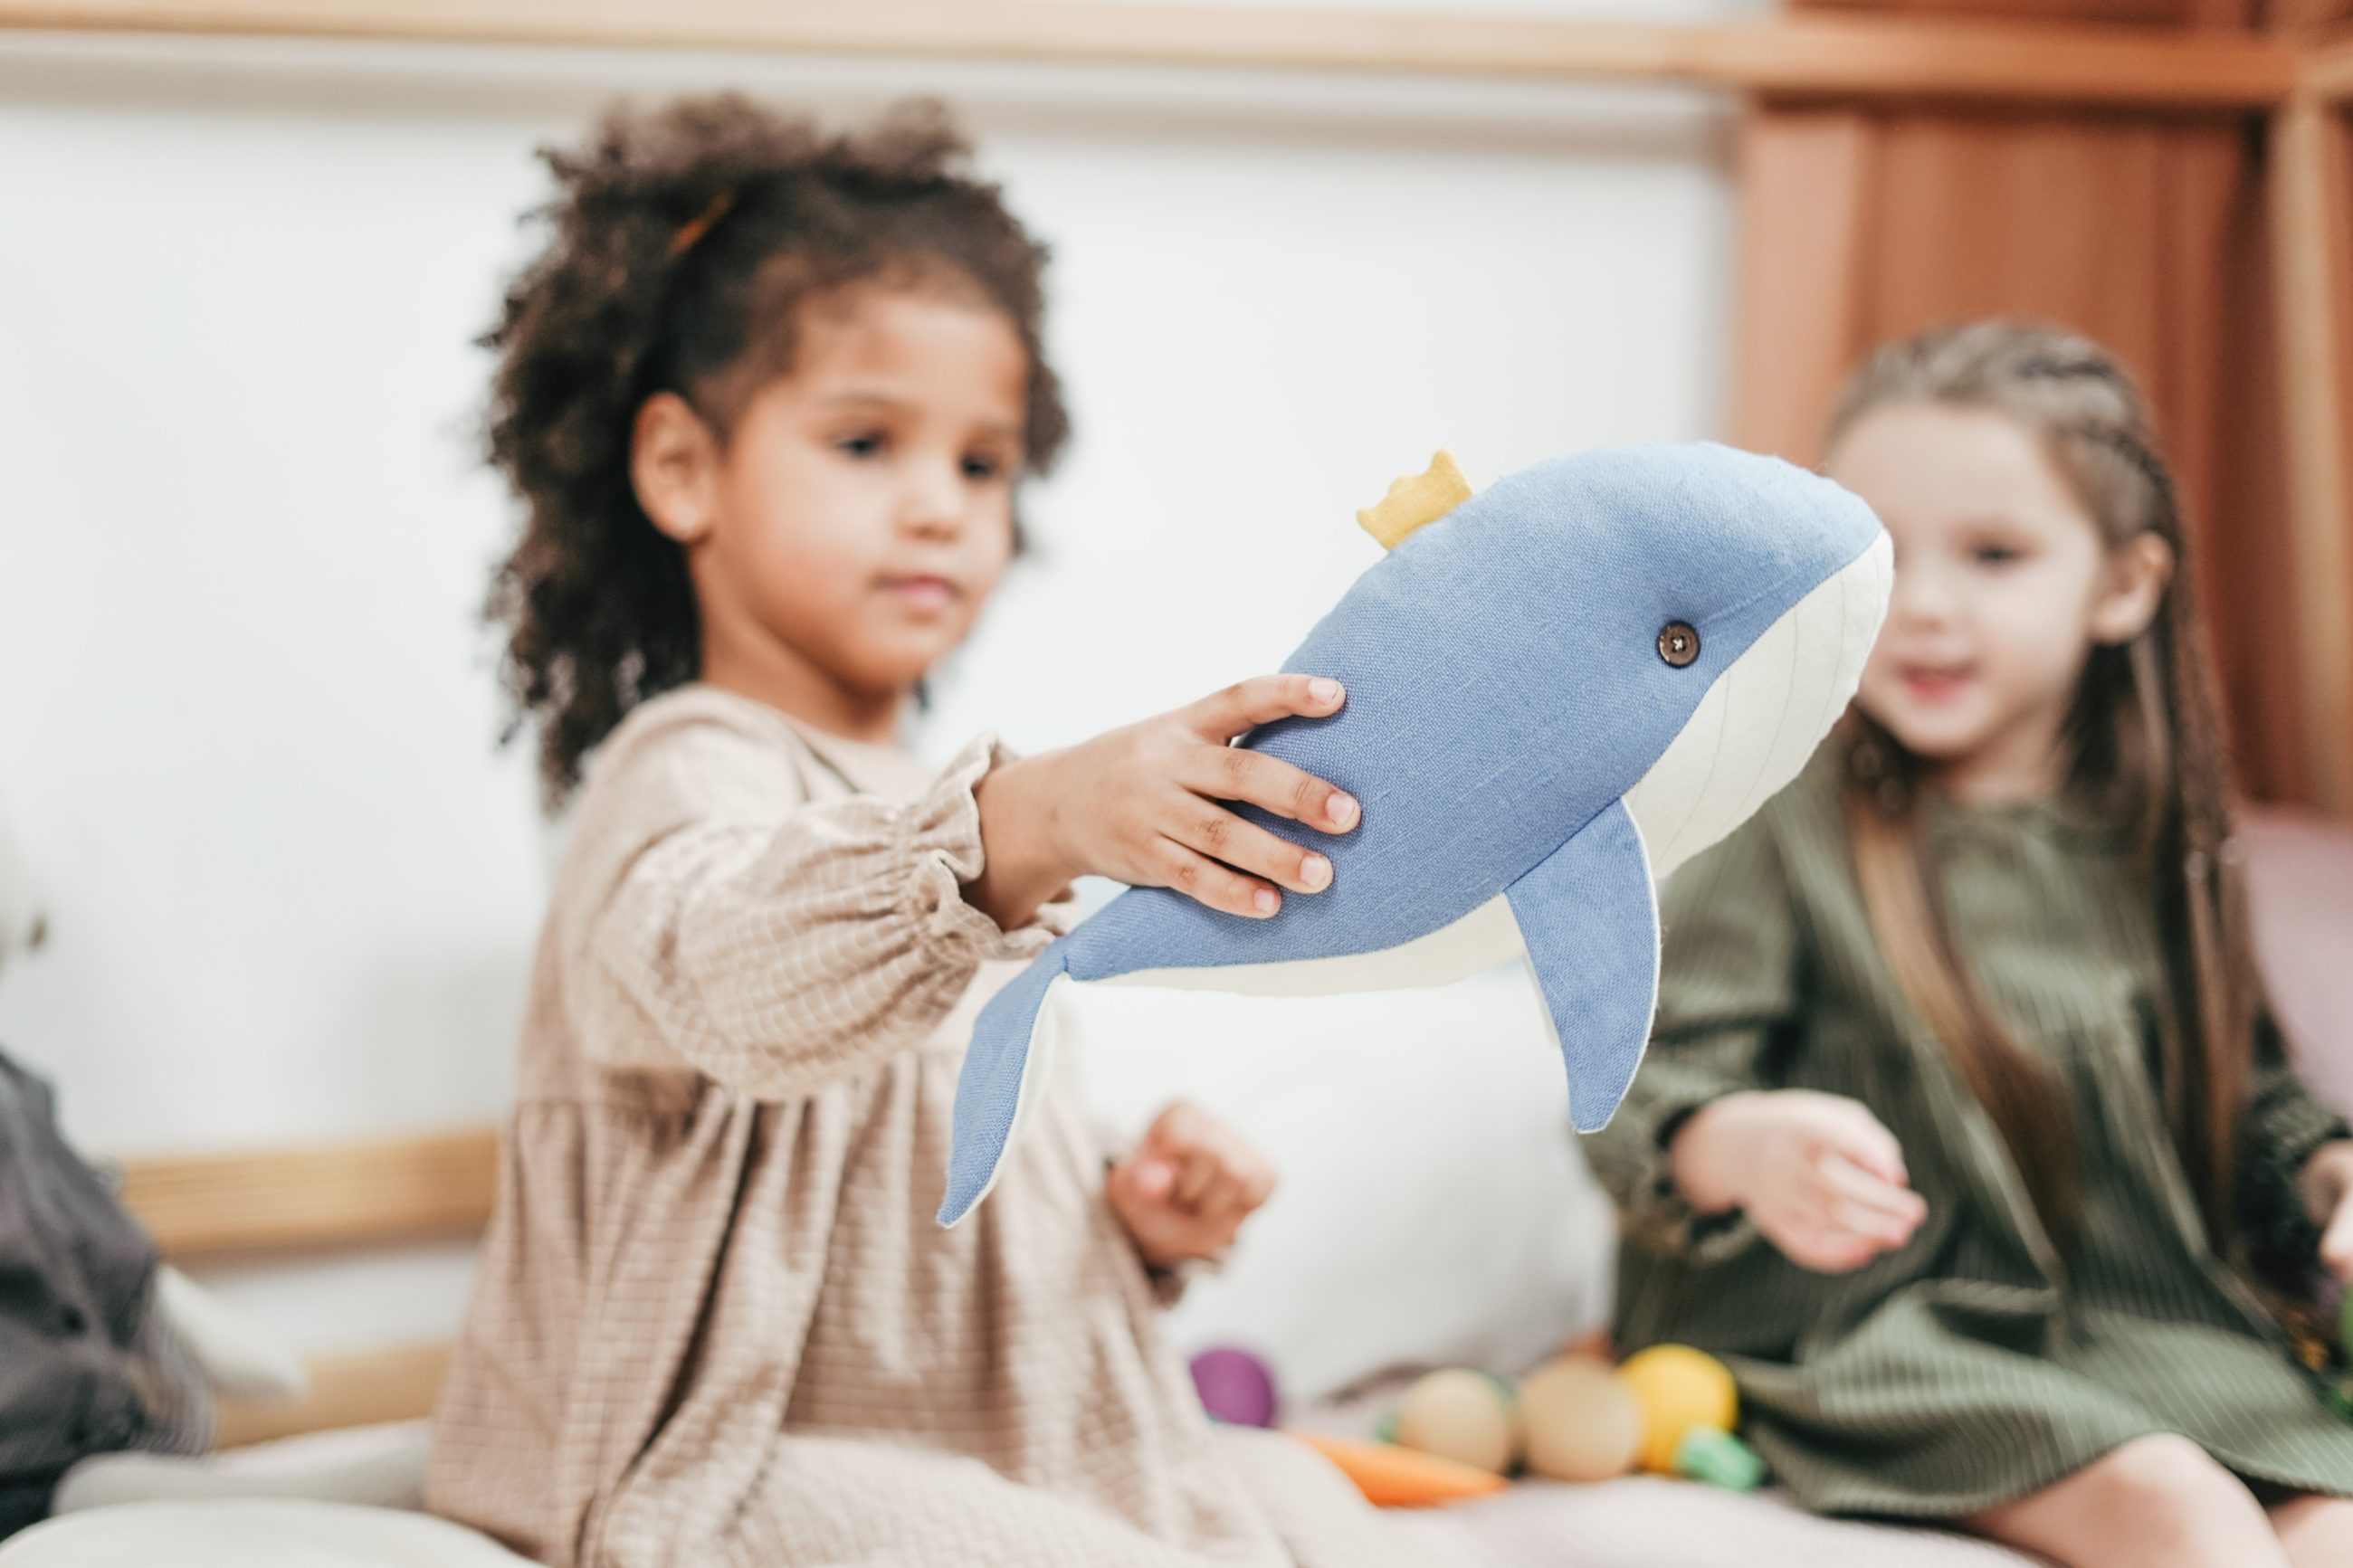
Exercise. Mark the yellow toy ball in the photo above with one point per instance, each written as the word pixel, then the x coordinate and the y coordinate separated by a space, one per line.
pixel 1466 1416
pixel 1678 1388
pixel 1582 1423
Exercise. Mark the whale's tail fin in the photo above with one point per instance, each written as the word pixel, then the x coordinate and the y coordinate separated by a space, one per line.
pixel 1005 1072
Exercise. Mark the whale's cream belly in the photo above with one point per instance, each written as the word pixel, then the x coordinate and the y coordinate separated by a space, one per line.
pixel 1477 943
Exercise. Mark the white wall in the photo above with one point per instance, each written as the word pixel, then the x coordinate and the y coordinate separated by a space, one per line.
pixel 247 718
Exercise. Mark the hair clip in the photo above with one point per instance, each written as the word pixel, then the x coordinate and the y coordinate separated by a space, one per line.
pixel 695 228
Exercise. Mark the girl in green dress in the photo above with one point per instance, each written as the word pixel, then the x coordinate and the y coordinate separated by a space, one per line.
pixel 1964 1139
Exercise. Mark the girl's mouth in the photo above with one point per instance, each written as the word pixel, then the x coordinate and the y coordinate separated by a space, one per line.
pixel 1935 682
pixel 922 593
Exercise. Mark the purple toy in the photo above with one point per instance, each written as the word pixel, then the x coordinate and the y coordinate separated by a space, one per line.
pixel 1236 1387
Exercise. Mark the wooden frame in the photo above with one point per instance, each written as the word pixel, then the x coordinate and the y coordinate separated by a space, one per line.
pixel 302 1202
pixel 2115 66
pixel 390 1191
pixel 2312 230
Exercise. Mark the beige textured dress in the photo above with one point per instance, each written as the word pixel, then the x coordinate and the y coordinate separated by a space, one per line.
pixel 715 1322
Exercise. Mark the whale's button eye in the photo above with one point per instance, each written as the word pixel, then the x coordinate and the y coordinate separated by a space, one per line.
pixel 1678 643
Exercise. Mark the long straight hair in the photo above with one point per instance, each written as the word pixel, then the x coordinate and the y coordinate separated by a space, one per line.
pixel 2145 747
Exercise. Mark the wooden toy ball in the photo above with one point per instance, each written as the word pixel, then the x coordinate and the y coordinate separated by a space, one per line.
pixel 1678 1388
pixel 1582 1423
pixel 1466 1416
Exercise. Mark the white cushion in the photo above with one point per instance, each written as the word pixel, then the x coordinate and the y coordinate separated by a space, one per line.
pixel 381 1466
pixel 1433 1209
pixel 251 1534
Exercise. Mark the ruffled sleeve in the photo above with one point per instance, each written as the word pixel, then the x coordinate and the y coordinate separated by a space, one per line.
pixel 776 943
pixel 1725 984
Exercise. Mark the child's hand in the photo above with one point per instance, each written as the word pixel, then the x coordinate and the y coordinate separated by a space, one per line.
pixel 2327 1184
pixel 1144 804
pixel 1186 1189
pixel 1817 1175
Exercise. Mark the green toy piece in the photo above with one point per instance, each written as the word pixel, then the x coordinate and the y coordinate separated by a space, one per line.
pixel 1715 1457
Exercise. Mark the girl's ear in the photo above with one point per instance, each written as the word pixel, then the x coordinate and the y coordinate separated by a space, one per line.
pixel 674 467
pixel 2138 574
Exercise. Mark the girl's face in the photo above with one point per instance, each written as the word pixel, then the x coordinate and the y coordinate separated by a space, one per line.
pixel 844 538
pixel 2003 587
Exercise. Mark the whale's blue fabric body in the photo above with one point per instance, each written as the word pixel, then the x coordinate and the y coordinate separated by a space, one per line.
pixel 1505 689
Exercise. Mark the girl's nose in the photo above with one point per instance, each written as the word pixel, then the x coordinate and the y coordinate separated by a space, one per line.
pixel 1918 597
pixel 932 502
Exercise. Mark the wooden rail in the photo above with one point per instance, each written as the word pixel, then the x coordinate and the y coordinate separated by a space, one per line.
pixel 277 1204
pixel 206 1207
pixel 1834 57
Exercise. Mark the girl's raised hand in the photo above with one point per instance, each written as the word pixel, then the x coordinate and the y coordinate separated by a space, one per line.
pixel 1817 1175
pixel 1146 805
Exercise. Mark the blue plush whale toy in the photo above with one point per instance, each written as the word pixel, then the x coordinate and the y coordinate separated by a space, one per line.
pixel 1559 689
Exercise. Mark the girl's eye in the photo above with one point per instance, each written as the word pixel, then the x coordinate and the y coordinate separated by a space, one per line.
pixel 863 445
pixel 982 467
pixel 1997 555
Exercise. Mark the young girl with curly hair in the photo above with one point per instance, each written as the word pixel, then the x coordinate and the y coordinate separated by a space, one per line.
pixel 767 398
pixel 1964 1137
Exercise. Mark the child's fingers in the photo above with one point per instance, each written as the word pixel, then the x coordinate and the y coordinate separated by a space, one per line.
pixel 1203 880
pixel 1247 847
pixel 1851 1185
pixel 1199 1172
pixel 1261 699
pixel 1824 1248
pixel 1148 1179
pixel 1176 1128
pixel 1852 1131
pixel 1235 773
pixel 1220 1194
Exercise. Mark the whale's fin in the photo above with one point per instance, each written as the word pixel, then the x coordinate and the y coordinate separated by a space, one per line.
pixel 1005 1071
pixel 1416 501
pixel 1589 917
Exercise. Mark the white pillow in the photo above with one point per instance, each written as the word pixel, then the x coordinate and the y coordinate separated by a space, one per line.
pixel 1433 1209
pixel 381 1466
pixel 252 1535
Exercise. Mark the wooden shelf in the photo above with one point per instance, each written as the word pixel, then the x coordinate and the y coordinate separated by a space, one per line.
pixel 1846 58
pixel 433 1187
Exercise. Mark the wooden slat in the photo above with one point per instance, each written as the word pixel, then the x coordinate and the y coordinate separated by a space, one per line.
pixel 2309 219
pixel 345 1391
pixel 356 1194
pixel 1857 56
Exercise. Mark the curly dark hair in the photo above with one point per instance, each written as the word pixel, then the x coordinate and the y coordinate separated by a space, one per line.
pixel 686 241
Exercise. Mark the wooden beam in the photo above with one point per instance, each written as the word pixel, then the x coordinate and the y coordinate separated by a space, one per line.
pixel 358 1390
pixel 352 1196
pixel 2310 214
pixel 1834 57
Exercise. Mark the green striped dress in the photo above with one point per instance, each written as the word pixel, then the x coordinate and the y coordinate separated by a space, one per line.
pixel 1976 1364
